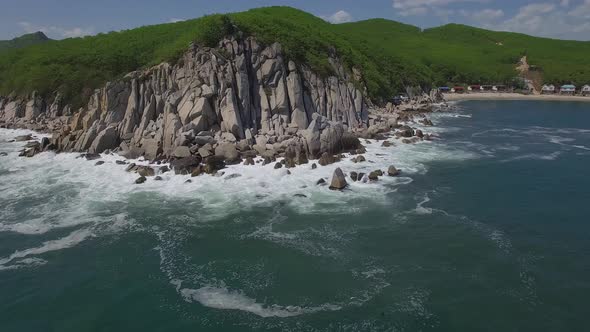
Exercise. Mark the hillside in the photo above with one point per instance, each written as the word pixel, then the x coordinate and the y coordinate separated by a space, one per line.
pixel 24 41
pixel 390 55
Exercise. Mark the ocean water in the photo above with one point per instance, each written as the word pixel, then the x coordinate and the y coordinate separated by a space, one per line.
pixel 488 229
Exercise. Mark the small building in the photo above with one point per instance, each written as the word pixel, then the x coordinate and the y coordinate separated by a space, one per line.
pixel 548 89
pixel 586 90
pixel 444 89
pixel 474 88
pixel 567 89
pixel 487 88
pixel 499 88
pixel 458 89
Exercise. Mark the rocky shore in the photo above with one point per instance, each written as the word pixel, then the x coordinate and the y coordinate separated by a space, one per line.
pixel 237 103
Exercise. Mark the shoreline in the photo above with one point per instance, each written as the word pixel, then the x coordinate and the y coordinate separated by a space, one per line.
pixel 511 96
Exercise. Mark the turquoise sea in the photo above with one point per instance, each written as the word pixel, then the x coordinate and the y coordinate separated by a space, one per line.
pixel 488 229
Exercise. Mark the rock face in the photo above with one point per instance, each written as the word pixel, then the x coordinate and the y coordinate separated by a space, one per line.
pixel 239 88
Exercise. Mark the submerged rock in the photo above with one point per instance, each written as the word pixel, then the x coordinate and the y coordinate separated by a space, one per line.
pixel 23 138
pixel 91 156
pixel 141 180
pixel 232 176
pixel 98 163
pixel 359 159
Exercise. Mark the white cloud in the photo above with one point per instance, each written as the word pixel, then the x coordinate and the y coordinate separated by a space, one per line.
pixel 340 16
pixel 57 32
pixel 425 7
pixel 549 20
pixel 406 4
pixel 582 10
pixel 483 16
pixel 415 11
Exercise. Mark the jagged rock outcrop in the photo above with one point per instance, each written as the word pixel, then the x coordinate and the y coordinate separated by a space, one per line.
pixel 239 92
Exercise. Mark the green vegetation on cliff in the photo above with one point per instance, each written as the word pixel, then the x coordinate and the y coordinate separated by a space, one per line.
pixel 23 41
pixel 390 55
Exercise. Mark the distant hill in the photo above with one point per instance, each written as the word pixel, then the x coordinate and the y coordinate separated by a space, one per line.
pixel 24 40
pixel 390 55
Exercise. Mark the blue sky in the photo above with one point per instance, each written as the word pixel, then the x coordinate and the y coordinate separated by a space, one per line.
pixel 70 18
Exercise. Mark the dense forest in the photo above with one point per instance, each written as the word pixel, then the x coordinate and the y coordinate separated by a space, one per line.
pixel 390 55
pixel 24 41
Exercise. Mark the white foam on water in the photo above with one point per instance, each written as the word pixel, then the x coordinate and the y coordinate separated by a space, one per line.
pixel 559 140
pixel 24 263
pixel 218 197
pixel 534 156
pixel 581 147
pixel 225 299
pixel 420 209
pixel 69 241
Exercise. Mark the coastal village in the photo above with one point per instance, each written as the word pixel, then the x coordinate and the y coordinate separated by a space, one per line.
pixel 546 89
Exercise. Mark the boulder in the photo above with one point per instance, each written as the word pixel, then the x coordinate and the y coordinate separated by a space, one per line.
pixel 228 152
pixel 145 171
pixel 321 182
pixel 197 170
pixel 202 140
pixel 98 163
pixel 392 171
pixel 204 152
pixel 185 165
pixel 158 178
pixel 338 180
pixel 106 139
pixel 374 176
pixel 131 168
pixel 141 180
pixel 181 152
pixel 249 161
pixel 278 165
pixel 213 164
pixel 327 159
pixel 354 176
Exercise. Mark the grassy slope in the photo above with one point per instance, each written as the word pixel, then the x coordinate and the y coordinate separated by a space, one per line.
pixel 23 41
pixel 390 54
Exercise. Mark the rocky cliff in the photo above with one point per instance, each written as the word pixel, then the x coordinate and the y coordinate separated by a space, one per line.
pixel 216 106
pixel 240 92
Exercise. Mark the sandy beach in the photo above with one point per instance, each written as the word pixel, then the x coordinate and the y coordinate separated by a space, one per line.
pixel 511 96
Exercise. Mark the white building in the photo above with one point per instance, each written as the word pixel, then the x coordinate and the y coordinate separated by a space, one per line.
pixel 548 89
pixel 567 89
pixel 586 90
